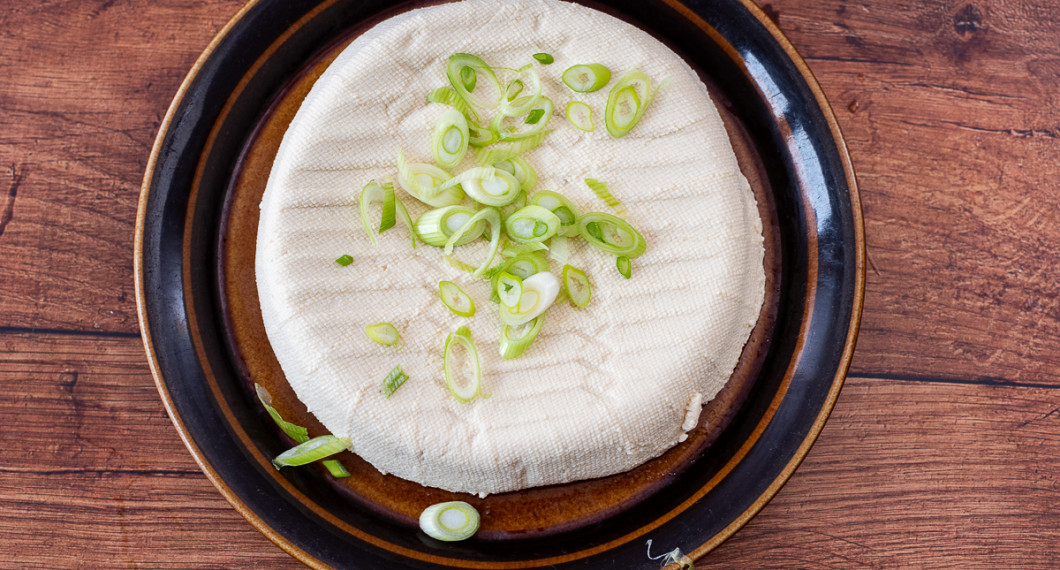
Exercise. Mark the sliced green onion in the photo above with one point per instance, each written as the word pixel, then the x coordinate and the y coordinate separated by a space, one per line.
pixel 481 136
pixel 312 450
pixel 489 186
pixel 576 284
pixel 586 78
pixel 451 138
pixel 532 224
pixel 544 58
pixel 559 205
pixel 510 128
pixel 465 72
pixel 624 265
pixel 524 173
pixel 509 289
pixel 627 101
pixel 534 116
pixel 336 469
pixel 344 260
pixel 600 189
pixel 491 216
pixel 517 204
pixel 454 298
pixel 611 234
pixel 463 389
pixel 452 521
pixel 520 96
pixel 522 266
pixel 383 333
pixel 296 432
pixel 539 292
pixel 393 381
pixel 422 181
pixel 513 90
pixel 388 217
pixel 376 192
pixel 448 96
pixel 580 116
pixel 559 248
pixel 436 226
pixel 515 339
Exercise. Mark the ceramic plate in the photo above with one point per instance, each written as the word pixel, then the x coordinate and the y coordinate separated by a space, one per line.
pixel 202 327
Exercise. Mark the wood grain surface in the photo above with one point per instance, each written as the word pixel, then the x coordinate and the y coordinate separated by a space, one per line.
pixel 944 447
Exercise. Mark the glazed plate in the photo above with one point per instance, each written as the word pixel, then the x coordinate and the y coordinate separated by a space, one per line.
pixel 202 326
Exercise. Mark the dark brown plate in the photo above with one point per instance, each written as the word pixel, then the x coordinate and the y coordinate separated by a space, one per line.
pixel 202 326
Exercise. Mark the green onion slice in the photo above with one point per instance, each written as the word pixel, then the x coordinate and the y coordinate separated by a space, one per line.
pixel 545 58
pixel 383 333
pixel 344 260
pixel 532 224
pixel 464 389
pixel 534 116
pixel 422 181
pixel 580 115
pixel 312 450
pixel 481 136
pixel 509 289
pixel 436 226
pixel 627 101
pixel 611 234
pixel 559 205
pixel 376 192
pixel 489 186
pixel 539 292
pixel 452 521
pixel 586 78
pixel 517 166
pixel 522 266
pixel 559 248
pixel 388 217
pixel 517 204
pixel 624 265
pixel 520 96
pixel 448 96
pixel 513 89
pixel 511 128
pixel 394 379
pixel 600 189
pixel 576 284
pixel 515 339
pixel 493 218
pixel 466 73
pixel 451 139
pixel 296 432
pixel 454 298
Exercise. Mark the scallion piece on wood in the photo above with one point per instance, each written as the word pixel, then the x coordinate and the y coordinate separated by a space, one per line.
pixel 600 189
pixel 394 379
pixel 624 265
pixel 545 58
pixel 515 339
pixel 436 226
pixel 452 521
pixel 493 218
pixel 315 449
pixel 627 101
pixel 423 182
pixel 586 78
pixel 344 260
pixel 376 192
pixel 454 298
pixel 532 224
pixel 471 77
pixel 296 432
pixel 383 333
pixel 451 138
pixel 463 388
pixel 539 292
pixel 611 234
pixel 559 205
pixel 580 116
pixel 576 284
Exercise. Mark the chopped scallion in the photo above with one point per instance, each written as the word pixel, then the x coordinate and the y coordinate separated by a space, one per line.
pixel 576 284
pixel 627 101
pixel 312 450
pixel 586 78
pixel 580 115
pixel 600 189
pixel 451 138
pixel 489 186
pixel 436 226
pixel 344 260
pixel 376 192
pixel 296 432
pixel 515 339
pixel 624 265
pixel 532 224
pixel 559 205
pixel 544 58
pixel 454 298
pixel 466 72
pixel 394 379
pixel 424 181
pixel 493 218
pixel 452 521
pixel 464 389
pixel 534 116
pixel 611 234
pixel 539 292
pixel 509 289
pixel 383 333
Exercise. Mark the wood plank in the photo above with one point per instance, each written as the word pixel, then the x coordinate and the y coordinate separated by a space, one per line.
pixel 918 475
pixel 949 114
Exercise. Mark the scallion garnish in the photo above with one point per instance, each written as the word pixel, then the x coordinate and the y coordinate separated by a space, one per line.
pixel 454 298
pixel 465 72
pixel 394 379
pixel 532 224
pixel 509 289
pixel 539 292
pixel 510 128
pixel 600 189
pixel 344 260
pixel 423 181
pixel 296 432
pixel 388 217
pixel 576 284
pixel 376 192
pixel 515 339
pixel 586 78
pixel 489 186
pixel 383 333
pixel 312 450
pixel 436 226
pixel 544 58
pixel 624 265
pixel 464 389
pixel 481 136
pixel 611 234
pixel 521 96
pixel 534 116
pixel 559 248
pixel 522 266
pixel 627 101
pixel 451 138
pixel 559 205
pixel 452 521
pixel 580 115
pixel 493 218
pixel 513 90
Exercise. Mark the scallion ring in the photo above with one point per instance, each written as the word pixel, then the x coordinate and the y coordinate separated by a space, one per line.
pixel 580 116
pixel 624 265
pixel 383 333
pixel 522 266
pixel 452 521
pixel 511 128
pixel 532 224
pixel 466 72
pixel 455 299
pixel 515 339
pixel 312 450
pixel 539 292
pixel 559 205
pixel 586 78
pixel 422 181
pixel 376 192
pixel 489 186
pixel 627 101
pixel 576 284
pixel 493 218
pixel 463 389
pixel 296 432
pixel 509 289
pixel 600 189
pixel 481 136
pixel 394 379
pixel 611 234
pixel 450 139
pixel 447 96
pixel 521 96
pixel 544 58
pixel 436 226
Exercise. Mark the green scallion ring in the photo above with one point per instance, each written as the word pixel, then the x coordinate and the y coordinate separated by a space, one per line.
pixel 436 226
pixel 465 72
pixel 586 78
pixel 627 101
pixel 532 224
pixel 515 339
pixel 452 521
pixel 472 386
pixel 451 139
pixel 559 205
pixel 576 284
pixel 455 299
pixel 611 234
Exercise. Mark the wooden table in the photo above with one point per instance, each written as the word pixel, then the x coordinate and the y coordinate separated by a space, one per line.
pixel 944 447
